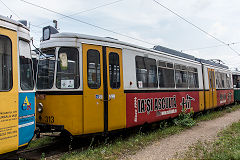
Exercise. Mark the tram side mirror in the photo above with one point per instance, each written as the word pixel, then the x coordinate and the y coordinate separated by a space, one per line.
pixel 63 61
pixel 47 31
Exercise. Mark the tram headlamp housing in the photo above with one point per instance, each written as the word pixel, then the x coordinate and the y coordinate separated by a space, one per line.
pixel 40 107
pixel 47 31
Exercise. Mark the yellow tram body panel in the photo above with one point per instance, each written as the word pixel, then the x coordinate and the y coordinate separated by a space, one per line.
pixel 201 100
pixel 211 94
pixel 9 103
pixel 57 111
pixel 116 106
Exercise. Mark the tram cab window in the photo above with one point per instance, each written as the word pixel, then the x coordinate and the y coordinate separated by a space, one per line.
pixel 46 67
pixel 146 72
pixel 26 72
pixel 236 81
pixel 6 79
pixel 93 69
pixel 181 76
pixel 67 68
pixel 193 77
pixel 114 70
pixel 166 75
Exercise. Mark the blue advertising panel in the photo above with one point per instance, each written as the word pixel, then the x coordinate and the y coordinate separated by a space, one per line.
pixel 26 123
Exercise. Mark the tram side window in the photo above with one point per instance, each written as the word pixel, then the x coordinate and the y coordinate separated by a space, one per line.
pixel 93 69
pixel 6 79
pixel 146 72
pixel 114 70
pixel 166 75
pixel 181 76
pixel 26 72
pixel 218 79
pixel 46 69
pixel 67 68
pixel 228 80
pixel 236 81
pixel 223 78
pixel 193 77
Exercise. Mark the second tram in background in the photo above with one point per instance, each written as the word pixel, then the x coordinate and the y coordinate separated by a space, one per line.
pixel 236 85
pixel 17 93
pixel 88 84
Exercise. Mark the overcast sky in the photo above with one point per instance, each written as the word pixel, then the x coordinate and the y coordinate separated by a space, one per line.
pixel 145 20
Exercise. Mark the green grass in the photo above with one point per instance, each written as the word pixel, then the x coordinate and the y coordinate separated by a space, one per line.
pixel 218 112
pixel 227 146
pixel 124 146
pixel 40 142
pixel 130 143
pixel 121 146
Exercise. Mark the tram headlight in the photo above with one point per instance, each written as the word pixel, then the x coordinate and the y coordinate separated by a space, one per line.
pixel 40 107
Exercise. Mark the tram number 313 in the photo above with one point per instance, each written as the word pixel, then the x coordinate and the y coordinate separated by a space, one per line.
pixel 49 119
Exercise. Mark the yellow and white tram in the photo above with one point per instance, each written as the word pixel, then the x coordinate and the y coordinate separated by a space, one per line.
pixel 17 93
pixel 88 84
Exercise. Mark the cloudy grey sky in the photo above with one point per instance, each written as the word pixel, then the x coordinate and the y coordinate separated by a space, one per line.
pixel 145 20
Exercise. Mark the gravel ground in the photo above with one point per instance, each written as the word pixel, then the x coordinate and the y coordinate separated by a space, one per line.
pixel 168 147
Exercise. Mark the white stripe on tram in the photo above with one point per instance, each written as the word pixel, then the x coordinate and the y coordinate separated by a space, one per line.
pixel 26 124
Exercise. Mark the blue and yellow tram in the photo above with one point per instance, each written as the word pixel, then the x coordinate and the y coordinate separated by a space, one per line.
pixel 17 92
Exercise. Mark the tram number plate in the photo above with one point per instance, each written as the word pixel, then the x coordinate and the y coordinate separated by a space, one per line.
pixel 49 119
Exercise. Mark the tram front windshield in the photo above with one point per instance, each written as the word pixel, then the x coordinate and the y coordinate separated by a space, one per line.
pixel 46 66
pixel 26 72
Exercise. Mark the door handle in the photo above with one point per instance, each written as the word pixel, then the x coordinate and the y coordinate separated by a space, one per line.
pixel 105 100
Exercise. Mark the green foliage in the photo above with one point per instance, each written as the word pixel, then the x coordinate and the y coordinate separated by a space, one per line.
pixel 227 146
pixel 185 119
pixel 40 142
pixel 43 156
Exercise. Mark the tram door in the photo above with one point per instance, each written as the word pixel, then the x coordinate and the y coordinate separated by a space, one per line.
pixel 103 97
pixel 116 99
pixel 93 100
pixel 212 89
pixel 9 91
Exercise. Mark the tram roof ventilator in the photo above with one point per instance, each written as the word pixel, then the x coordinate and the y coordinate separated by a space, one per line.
pixel 187 56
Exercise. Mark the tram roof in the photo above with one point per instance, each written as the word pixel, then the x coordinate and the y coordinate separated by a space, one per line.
pixel 155 48
pixel 9 20
pixel 236 72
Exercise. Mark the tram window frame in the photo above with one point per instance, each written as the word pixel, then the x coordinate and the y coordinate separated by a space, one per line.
pixel 26 83
pixel 145 63
pixel 217 79
pixel 228 80
pixel 164 69
pixel 181 70
pixel 97 79
pixel 194 72
pixel 60 72
pixel 112 75
pixel 223 80
pixel 47 51
pixel 7 83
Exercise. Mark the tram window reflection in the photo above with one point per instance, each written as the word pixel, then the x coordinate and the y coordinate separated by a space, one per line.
pixel 46 67
pixel 5 63
pixel 193 78
pixel 114 70
pixel 26 72
pixel 68 68
pixel 93 69
pixel 166 75
pixel 181 76
pixel 146 72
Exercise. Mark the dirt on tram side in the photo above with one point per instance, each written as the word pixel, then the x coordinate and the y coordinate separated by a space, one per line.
pixel 168 147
